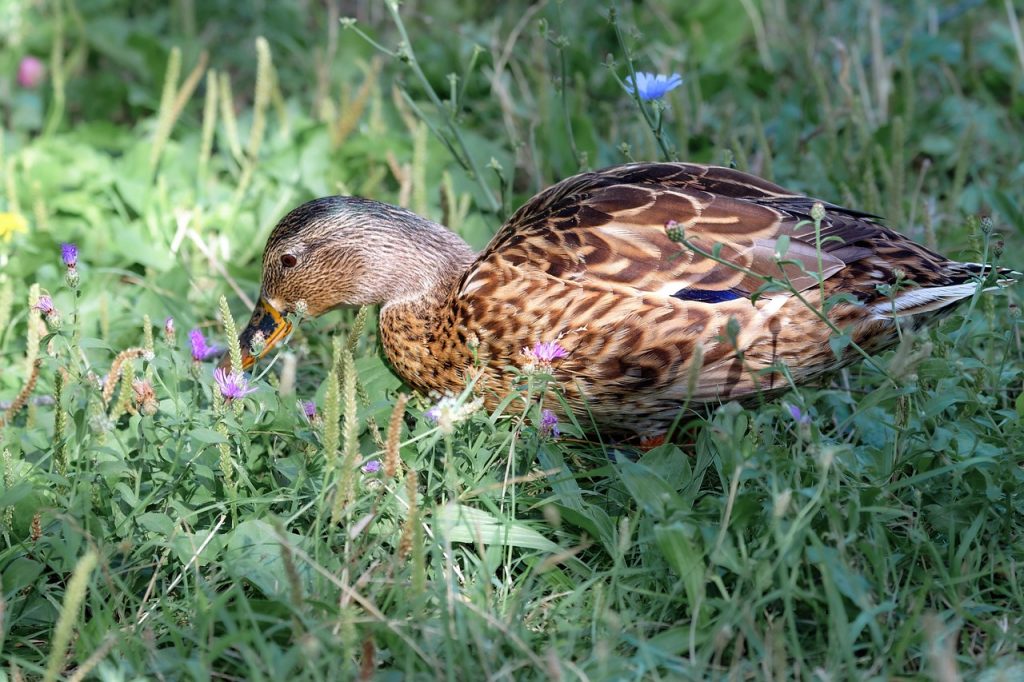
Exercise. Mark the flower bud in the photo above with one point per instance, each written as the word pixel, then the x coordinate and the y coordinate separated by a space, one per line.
pixel 818 211
pixel 169 333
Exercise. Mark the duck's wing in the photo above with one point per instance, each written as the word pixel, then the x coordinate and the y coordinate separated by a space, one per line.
pixel 610 229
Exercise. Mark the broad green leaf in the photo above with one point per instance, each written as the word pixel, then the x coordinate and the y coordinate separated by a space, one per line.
pixel 461 523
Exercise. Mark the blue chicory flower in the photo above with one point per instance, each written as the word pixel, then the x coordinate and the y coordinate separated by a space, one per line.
pixel 650 86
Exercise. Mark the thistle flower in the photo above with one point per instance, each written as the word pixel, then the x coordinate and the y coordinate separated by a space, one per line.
pixel 30 72
pixel 542 355
pixel 45 305
pixel 50 314
pixel 232 385
pixel 549 424
pixel 448 412
pixel 201 351
pixel 69 254
pixel 650 86
pixel 371 467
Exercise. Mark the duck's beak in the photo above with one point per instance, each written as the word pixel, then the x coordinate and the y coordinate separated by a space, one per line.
pixel 267 320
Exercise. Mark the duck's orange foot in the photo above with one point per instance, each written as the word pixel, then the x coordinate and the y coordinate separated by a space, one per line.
pixel 651 442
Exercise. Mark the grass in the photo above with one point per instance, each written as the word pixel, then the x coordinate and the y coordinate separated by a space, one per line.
pixel 881 539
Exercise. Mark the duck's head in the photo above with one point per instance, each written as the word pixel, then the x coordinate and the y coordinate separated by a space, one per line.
pixel 346 251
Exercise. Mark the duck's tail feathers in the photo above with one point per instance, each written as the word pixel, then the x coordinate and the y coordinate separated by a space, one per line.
pixel 1004 277
pixel 916 301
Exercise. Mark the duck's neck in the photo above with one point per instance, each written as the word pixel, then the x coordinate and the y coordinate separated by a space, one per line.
pixel 417 321
pixel 421 266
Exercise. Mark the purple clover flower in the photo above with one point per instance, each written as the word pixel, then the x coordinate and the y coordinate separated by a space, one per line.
pixel 371 467
pixel 69 254
pixel 232 385
pixel 44 305
pixel 200 349
pixel 650 86
pixel 309 409
pixel 549 424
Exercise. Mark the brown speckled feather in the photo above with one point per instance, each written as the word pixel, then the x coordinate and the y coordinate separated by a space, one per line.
pixel 589 262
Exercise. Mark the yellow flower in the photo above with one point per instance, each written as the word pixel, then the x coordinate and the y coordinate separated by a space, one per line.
pixel 10 223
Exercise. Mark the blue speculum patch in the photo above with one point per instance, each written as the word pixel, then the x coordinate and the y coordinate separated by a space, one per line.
pixel 708 295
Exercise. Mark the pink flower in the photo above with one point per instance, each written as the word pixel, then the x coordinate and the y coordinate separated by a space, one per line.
pixel 540 357
pixel 200 349
pixel 44 305
pixel 546 351
pixel 232 385
pixel 30 72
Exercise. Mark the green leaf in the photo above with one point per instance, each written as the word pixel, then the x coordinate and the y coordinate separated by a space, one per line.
pixel 460 523
pixel 650 489
pixel 839 343
pixel 15 494
pixel 252 552
pixel 209 436
pixel 160 524
pixel 681 548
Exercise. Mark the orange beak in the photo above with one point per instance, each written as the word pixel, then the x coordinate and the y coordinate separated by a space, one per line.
pixel 265 320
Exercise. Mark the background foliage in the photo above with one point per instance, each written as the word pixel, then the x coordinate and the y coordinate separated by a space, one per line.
pixel 881 539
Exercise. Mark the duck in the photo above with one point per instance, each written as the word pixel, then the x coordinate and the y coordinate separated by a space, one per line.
pixel 640 289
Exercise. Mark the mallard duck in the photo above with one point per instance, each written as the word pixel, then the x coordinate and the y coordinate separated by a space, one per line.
pixel 628 276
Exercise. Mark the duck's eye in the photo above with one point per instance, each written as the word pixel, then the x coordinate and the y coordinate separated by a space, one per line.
pixel 289 261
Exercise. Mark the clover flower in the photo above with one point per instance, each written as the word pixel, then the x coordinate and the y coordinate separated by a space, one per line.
pixel 549 424
pixel 448 412
pixel 542 355
pixel 201 351
pixel 232 385
pixel 371 467
pixel 649 86
pixel 308 408
pixel 30 72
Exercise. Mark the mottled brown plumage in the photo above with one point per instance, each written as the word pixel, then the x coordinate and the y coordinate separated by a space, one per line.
pixel 589 263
